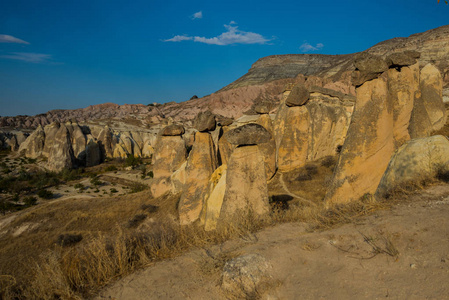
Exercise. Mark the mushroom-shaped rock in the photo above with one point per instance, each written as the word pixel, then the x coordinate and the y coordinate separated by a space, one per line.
pixel 298 96
pixel 367 67
pixel 173 130
pixel 249 134
pixel 204 121
pixel 400 59
pixel 224 121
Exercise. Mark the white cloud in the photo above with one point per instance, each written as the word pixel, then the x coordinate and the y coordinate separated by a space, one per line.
pixel 306 47
pixel 232 36
pixel 179 38
pixel 232 23
pixel 197 15
pixel 28 57
pixel 4 38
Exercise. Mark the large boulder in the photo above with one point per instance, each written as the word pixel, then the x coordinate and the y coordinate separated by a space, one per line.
pixel 417 159
pixel 249 134
pixel 201 163
pixel 169 155
pixel 298 96
pixel 246 185
pixel 367 67
pixel 401 59
pixel 173 130
pixel 78 139
pixel 204 121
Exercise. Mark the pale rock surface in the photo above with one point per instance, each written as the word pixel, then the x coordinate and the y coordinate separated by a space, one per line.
pixel 178 179
pixel 246 276
pixel 214 198
pixel 106 142
pixel 34 144
pixel 246 185
pixel 431 85
pixel 50 135
pixel 403 86
pixel 60 150
pixel 201 163
pixel 368 146
pixel 291 135
pixel 328 125
pixel 417 159
pixel 268 149
pixel 169 155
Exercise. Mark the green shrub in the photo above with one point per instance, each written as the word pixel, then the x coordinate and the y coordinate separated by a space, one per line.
pixel 30 201
pixel 95 181
pixel 110 169
pixel 132 161
pixel 45 194
pixel 113 190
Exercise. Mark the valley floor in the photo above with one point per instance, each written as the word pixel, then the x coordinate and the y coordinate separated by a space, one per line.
pixel 400 253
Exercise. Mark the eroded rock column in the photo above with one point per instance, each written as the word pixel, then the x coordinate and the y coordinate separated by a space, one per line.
pixel 169 155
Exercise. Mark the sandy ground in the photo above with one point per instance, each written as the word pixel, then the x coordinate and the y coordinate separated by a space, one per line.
pixel 331 264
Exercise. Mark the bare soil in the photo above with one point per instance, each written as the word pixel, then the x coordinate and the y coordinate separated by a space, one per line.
pixel 399 253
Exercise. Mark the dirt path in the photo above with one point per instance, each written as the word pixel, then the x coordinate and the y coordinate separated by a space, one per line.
pixel 332 264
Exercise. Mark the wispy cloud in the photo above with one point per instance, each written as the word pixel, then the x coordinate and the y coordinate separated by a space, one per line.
pixel 232 36
pixel 306 47
pixel 179 38
pixel 197 15
pixel 4 38
pixel 28 57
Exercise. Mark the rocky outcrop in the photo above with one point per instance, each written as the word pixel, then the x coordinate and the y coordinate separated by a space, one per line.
pixel 204 121
pixel 414 161
pixel 291 135
pixel 431 86
pixel 214 198
pixel 32 147
pixel 60 154
pixel 169 155
pixel 250 134
pixel 201 163
pixel 388 111
pixel 246 185
pixel 92 153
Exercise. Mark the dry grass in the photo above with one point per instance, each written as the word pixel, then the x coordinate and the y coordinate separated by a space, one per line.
pixel 111 248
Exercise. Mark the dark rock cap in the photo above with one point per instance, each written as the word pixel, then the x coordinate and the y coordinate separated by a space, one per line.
pixel 262 107
pixel 367 67
pixel 401 59
pixel 298 96
pixel 249 134
pixel 204 121
pixel 173 130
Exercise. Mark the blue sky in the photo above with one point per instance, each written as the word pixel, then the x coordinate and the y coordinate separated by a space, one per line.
pixel 71 54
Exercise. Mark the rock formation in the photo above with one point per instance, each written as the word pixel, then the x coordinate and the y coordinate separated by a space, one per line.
pixel 201 163
pixel 416 160
pixel 169 155
pixel 385 109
